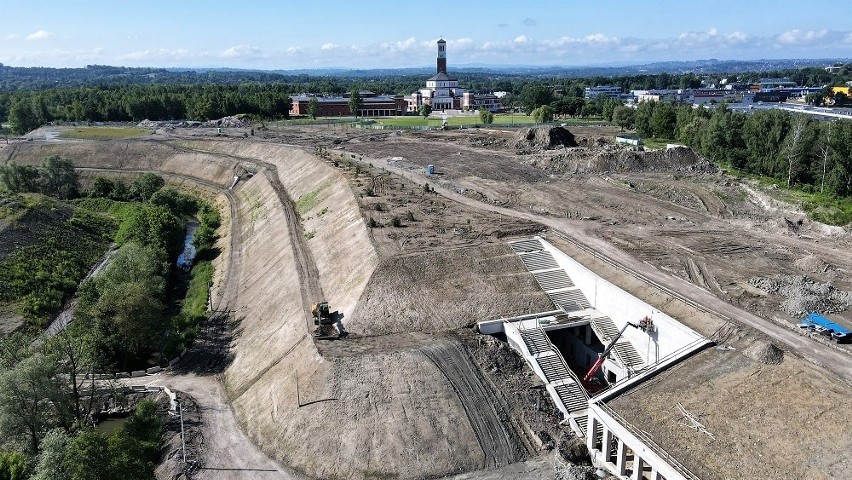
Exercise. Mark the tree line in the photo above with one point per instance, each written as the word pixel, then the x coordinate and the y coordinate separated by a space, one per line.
pixel 29 110
pixel 793 148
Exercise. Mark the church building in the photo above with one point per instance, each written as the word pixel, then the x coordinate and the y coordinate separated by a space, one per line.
pixel 442 91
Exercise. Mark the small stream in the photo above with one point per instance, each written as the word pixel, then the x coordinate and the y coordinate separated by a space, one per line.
pixel 184 262
pixel 187 257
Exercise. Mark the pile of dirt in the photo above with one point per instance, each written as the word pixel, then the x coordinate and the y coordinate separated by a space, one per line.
pixel 804 295
pixel 537 139
pixel 228 122
pixel 812 264
pixel 766 353
pixel 576 472
pixel 169 124
pixel 618 158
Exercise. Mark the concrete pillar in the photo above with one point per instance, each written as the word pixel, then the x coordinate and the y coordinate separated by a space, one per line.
pixel 590 433
pixel 638 465
pixel 621 458
pixel 607 439
pixel 655 475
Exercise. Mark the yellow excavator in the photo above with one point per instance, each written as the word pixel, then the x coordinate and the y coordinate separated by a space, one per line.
pixel 328 323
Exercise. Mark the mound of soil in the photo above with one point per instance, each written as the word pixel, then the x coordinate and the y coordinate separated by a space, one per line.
pixel 537 139
pixel 616 158
pixel 766 353
pixel 804 295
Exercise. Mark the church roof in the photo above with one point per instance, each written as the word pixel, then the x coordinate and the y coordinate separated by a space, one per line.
pixel 440 76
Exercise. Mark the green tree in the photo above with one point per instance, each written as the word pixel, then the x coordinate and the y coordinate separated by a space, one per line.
pixel 763 133
pixel 799 147
pixel 642 118
pixel 664 121
pixel 355 103
pixel 76 351
pixel 485 116
pixel 543 114
pixel 425 110
pixel 535 96
pixel 19 178
pixel 22 117
pixel 58 177
pixel 102 188
pixel 608 107
pixel 51 460
pixel 623 117
pixel 146 185
pixel 88 457
pixel 33 399
pixel 839 177
pixel 13 466
pixel 313 107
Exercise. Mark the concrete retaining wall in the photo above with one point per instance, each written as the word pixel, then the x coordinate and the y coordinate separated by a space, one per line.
pixel 622 307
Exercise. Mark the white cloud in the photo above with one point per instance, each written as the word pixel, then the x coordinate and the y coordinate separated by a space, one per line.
pixel 11 36
pixel 40 35
pixel 157 57
pixel 521 39
pixel 328 46
pixel 737 37
pixel 242 51
pixel 848 38
pixel 798 37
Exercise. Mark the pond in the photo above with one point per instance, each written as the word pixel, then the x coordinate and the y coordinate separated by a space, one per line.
pixel 110 424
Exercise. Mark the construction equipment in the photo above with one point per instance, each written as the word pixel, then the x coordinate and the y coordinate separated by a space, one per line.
pixel 646 325
pixel 328 323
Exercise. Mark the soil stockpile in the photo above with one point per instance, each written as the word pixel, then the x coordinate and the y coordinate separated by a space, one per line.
pixel 616 158
pixel 804 295
pixel 536 139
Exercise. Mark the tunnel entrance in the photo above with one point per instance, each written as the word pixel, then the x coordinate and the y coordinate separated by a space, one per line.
pixel 579 347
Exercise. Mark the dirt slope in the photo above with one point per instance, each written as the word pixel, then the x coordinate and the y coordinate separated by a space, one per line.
pixel 443 290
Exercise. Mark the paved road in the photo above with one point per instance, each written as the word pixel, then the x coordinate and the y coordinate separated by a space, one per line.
pixel 836 361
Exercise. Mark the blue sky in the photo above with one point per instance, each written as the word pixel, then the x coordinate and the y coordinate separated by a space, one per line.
pixel 383 33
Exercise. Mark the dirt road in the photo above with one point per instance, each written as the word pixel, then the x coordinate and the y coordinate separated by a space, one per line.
pixel 835 361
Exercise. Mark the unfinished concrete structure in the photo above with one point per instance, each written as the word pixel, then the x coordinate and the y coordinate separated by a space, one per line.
pixel 561 344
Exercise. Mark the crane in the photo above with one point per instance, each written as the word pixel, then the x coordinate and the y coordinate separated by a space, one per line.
pixel 646 324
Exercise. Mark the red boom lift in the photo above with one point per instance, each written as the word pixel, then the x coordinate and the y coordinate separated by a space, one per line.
pixel 645 325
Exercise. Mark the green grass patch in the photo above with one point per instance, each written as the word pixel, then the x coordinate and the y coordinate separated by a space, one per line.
pixel 310 200
pixel 657 142
pixel 103 133
pixel 186 325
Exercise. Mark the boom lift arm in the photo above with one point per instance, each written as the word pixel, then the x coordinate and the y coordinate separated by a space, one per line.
pixel 646 325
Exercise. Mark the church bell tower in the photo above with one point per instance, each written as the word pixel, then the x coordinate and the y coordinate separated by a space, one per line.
pixel 442 56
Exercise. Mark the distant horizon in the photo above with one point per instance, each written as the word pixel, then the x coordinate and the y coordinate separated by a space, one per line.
pixel 266 35
pixel 461 66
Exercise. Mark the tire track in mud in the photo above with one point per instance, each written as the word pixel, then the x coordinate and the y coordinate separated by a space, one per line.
pixel 487 415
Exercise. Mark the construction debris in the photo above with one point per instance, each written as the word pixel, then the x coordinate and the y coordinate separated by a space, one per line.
pixel 804 295
pixel 691 421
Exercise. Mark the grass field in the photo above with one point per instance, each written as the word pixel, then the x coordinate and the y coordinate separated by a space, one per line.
pixel 103 133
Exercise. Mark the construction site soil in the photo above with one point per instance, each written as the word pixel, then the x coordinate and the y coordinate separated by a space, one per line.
pixel 410 260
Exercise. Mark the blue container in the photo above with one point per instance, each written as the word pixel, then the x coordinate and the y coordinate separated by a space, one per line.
pixel 430 169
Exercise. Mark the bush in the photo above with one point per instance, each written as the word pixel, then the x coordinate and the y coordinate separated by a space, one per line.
pixel 395 221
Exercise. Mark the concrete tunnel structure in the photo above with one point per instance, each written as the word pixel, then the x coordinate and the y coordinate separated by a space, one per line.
pixel 561 344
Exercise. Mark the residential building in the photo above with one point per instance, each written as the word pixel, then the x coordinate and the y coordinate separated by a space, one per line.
pixel 605 90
